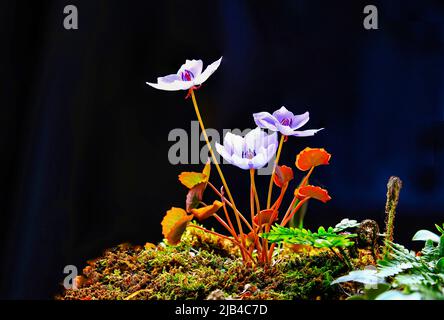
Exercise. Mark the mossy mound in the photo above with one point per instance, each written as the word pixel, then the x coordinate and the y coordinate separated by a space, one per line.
pixel 206 267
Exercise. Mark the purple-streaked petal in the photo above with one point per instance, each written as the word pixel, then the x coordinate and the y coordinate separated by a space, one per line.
pixel 195 66
pixel 285 130
pixel 271 151
pixel 201 78
pixel 169 78
pixel 172 86
pixel 300 120
pixel 265 120
pixel 282 114
pixel 271 139
pixel 305 133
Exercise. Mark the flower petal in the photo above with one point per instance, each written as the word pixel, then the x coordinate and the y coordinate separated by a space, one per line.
pixel 300 120
pixel 207 73
pixel 305 133
pixel 172 86
pixel 312 157
pixel 282 114
pixel 195 66
pixel 265 120
pixel 236 143
pixel 240 162
pixel 169 78
pixel 271 139
pixel 254 139
pixel 312 192
pixel 223 152
pixel 259 161
pixel 271 151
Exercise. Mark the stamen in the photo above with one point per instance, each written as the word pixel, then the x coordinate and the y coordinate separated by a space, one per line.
pixel 187 75
pixel 287 122
pixel 248 154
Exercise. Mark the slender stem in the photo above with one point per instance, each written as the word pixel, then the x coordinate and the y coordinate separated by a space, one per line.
pixel 252 220
pixel 253 186
pixel 305 180
pixel 225 225
pixel 229 203
pixel 298 206
pixel 278 202
pixel 252 202
pixel 224 182
pixel 228 217
pixel 270 186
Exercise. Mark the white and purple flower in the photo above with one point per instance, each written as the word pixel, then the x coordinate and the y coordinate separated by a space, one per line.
pixel 189 75
pixel 285 122
pixel 253 151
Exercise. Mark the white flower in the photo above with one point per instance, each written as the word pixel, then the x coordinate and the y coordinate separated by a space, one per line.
pixel 253 151
pixel 189 75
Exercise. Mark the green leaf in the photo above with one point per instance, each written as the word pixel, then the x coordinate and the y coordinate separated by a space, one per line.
pixel 372 293
pixel 321 239
pixel 357 297
pixel 440 265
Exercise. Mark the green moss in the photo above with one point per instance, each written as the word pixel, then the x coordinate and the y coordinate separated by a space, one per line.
pixel 203 264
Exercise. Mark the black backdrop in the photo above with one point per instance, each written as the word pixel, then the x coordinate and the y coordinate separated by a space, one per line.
pixel 84 141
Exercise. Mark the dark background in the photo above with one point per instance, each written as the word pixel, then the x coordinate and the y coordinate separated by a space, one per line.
pixel 84 141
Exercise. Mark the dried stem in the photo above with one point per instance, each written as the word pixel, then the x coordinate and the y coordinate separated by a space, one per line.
pixel 394 186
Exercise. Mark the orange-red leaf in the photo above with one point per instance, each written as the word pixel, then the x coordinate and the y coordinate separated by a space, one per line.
pixel 191 179
pixel 174 224
pixel 312 157
pixel 264 217
pixel 206 212
pixel 283 175
pixel 312 192
pixel 250 238
pixel 194 196
pixel 207 170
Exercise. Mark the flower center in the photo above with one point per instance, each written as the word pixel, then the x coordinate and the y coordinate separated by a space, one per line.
pixel 248 154
pixel 187 75
pixel 287 122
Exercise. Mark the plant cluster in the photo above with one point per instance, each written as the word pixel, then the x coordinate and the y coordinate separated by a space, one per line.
pixel 251 152
pixel 404 274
